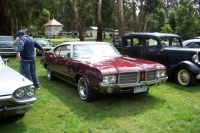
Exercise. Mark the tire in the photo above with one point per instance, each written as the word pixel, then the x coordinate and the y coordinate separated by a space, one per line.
pixel 85 91
pixel 185 77
pixel 50 75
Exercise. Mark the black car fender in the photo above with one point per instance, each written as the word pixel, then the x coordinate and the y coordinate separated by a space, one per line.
pixel 188 64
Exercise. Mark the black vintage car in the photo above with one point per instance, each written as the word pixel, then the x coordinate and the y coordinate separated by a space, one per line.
pixel 183 64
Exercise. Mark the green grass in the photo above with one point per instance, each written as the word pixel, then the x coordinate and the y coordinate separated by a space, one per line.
pixel 167 108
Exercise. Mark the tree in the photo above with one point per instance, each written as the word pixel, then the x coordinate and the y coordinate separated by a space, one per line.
pixel 166 29
pixel 121 25
pixel 43 18
pixel 5 21
pixel 99 22
pixel 75 11
pixel 185 19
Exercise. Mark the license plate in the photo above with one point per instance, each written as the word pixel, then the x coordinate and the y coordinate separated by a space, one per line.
pixel 139 89
pixel 20 111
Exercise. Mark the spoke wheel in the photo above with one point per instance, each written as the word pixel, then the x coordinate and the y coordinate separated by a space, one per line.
pixel 185 77
pixel 85 91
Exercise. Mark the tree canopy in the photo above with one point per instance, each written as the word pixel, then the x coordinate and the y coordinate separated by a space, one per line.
pixel 181 17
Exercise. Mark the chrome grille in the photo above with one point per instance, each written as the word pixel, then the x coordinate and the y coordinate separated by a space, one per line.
pixel 151 75
pixel 128 77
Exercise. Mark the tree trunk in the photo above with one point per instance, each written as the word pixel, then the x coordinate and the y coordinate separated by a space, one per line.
pixel 99 22
pixel 5 21
pixel 75 11
pixel 121 18
pixel 140 20
pixel 135 16
pixel 145 23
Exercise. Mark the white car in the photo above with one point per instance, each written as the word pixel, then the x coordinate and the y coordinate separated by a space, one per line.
pixel 192 43
pixel 16 92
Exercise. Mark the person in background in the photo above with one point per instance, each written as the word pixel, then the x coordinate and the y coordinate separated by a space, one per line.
pixel 14 45
pixel 26 55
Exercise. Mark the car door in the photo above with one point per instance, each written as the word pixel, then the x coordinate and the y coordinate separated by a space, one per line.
pixel 63 61
pixel 133 47
pixel 152 49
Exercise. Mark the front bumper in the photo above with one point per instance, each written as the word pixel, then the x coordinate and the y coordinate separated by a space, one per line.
pixel 10 106
pixel 128 88
pixel 15 110
pixel 13 100
pixel 7 51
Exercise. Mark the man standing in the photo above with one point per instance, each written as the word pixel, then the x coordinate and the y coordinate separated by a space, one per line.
pixel 26 54
pixel 14 45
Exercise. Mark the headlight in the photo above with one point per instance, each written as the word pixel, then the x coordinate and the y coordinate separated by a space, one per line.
pixel 30 91
pixel 195 58
pixel 109 79
pixel 20 93
pixel 23 92
pixel 161 73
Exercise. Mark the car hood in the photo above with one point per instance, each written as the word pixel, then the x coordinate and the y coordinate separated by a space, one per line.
pixel 121 64
pixel 10 80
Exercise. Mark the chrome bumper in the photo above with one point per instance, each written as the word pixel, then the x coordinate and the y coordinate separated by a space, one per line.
pixel 125 88
pixel 16 110
pixel 17 101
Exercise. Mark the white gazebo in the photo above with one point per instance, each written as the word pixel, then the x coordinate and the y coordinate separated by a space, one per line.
pixel 52 28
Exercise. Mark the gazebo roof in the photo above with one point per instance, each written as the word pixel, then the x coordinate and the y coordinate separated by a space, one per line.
pixel 52 22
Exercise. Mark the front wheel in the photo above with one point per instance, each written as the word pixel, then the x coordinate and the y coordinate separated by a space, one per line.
pixel 185 77
pixel 85 91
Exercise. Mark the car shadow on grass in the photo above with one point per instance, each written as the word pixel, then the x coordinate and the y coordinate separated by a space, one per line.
pixel 104 105
pixel 192 89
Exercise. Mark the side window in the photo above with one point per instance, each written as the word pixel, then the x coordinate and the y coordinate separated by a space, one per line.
pixel 65 51
pixel 190 44
pixel 151 42
pixel 57 51
pixel 176 42
pixel 127 42
pixel 197 44
pixel 164 42
pixel 137 42
pixel 193 45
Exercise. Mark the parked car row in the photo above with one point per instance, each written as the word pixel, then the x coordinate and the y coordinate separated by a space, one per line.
pixel 6 48
pixel 130 65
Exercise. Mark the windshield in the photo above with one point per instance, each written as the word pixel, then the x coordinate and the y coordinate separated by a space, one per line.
pixel 6 38
pixel 92 50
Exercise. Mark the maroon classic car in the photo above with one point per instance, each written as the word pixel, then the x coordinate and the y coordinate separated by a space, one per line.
pixel 97 67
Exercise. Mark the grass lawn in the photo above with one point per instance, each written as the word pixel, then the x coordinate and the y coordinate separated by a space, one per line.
pixel 167 108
